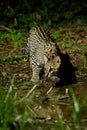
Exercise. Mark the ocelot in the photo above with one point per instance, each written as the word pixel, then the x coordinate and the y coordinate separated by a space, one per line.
pixel 44 53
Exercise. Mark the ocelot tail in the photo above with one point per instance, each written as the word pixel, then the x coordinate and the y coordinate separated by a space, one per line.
pixel 44 53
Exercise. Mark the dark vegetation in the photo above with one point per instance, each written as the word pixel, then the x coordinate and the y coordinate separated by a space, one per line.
pixel 43 106
pixel 25 13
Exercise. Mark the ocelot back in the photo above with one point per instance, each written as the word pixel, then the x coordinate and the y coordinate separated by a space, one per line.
pixel 44 53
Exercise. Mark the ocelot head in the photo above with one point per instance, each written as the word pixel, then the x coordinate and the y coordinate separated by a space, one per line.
pixel 51 66
pixel 52 61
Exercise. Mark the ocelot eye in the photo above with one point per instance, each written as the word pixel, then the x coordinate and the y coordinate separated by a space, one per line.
pixel 48 58
pixel 53 57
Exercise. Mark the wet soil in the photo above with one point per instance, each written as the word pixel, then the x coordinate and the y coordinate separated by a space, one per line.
pixel 51 98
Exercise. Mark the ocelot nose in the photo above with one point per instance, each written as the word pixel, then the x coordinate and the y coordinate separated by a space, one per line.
pixel 46 75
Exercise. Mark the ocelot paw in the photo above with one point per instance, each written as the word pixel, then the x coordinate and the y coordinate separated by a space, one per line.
pixel 55 78
pixel 34 80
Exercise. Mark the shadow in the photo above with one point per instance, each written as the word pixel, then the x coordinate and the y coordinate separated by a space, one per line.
pixel 66 72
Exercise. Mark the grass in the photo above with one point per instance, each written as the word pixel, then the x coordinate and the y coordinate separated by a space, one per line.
pixel 20 112
pixel 17 113
pixel 76 112
pixel 12 59
pixel 15 37
pixel 10 115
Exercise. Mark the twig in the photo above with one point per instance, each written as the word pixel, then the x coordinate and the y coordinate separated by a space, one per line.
pixel 62 103
pixel 3 28
pixel 30 109
pixel 28 94
pixel 49 90
pixel 63 97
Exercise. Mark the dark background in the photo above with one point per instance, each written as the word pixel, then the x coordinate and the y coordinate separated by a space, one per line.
pixel 26 13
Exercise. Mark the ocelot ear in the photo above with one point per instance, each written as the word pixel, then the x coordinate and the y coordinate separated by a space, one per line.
pixel 45 59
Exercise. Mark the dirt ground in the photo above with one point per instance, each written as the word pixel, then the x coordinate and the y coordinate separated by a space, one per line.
pixel 73 73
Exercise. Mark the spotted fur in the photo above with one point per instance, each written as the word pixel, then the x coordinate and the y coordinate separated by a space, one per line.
pixel 44 53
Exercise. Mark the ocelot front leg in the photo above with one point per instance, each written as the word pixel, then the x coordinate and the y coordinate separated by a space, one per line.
pixel 35 73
